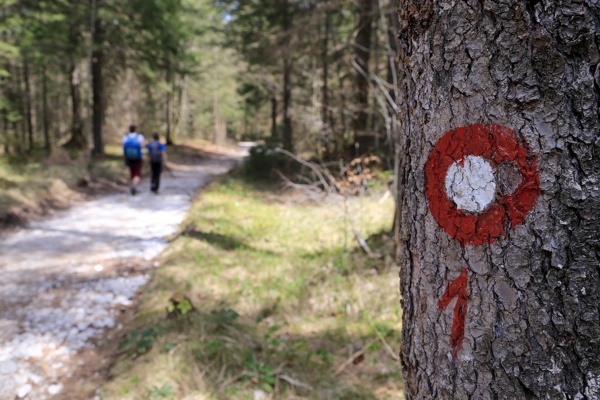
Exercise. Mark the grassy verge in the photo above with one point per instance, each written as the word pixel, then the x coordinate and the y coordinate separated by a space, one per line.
pixel 262 297
pixel 31 185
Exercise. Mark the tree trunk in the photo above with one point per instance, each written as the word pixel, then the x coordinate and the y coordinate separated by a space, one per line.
pixel 98 85
pixel 77 140
pixel 287 103
pixel 325 139
pixel 23 105
pixel 525 323
pixel 287 75
pixel 169 78
pixel 45 115
pixel 363 53
pixel 274 117
pixel 27 101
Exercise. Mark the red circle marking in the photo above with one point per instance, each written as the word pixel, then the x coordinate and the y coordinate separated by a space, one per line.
pixel 498 145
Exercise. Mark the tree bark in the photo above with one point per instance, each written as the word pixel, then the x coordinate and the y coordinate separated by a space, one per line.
pixel 168 139
pixel 27 101
pixel 288 143
pixel 274 116
pixel 325 139
pixel 45 115
pixel 363 54
pixel 77 140
pixel 98 99
pixel 530 300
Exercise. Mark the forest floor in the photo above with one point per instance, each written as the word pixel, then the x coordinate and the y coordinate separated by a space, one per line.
pixel 267 295
pixel 68 282
pixel 34 187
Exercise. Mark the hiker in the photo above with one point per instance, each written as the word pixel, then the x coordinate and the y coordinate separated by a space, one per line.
pixel 157 153
pixel 132 149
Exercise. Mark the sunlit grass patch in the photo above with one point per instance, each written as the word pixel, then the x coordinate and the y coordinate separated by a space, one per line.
pixel 29 184
pixel 285 304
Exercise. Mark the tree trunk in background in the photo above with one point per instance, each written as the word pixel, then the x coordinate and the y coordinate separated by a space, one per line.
pixel 530 299
pixel 77 140
pixel 169 79
pixel 325 139
pixel 362 46
pixel 274 117
pixel 45 115
pixel 27 101
pixel 5 128
pixel 287 103
pixel 98 86
pixel 288 143
pixel 22 109
pixel 220 124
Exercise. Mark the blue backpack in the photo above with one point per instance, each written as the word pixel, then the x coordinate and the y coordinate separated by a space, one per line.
pixel 132 149
pixel 155 149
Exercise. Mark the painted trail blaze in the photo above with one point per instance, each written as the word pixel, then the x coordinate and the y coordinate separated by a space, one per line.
pixel 457 288
pixel 477 214
pixel 481 180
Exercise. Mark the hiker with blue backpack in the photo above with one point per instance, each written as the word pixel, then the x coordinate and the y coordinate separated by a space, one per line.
pixel 132 150
pixel 157 152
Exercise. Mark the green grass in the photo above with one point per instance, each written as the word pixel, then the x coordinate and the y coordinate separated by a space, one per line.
pixel 282 299
pixel 30 183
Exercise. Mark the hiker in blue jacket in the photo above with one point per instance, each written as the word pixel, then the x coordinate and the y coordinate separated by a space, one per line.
pixel 132 150
pixel 157 153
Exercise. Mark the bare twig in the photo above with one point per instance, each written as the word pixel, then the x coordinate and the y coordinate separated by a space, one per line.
pixel 310 165
pixel 386 345
pixel 354 356
pixel 362 242
pixel 310 189
pixel 295 382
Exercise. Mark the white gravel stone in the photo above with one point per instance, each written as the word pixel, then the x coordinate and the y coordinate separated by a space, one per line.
pixel 7 387
pixel 55 389
pixel 8 367
pixel 24 390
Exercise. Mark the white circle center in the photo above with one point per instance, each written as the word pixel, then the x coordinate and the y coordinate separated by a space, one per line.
pixel 470 184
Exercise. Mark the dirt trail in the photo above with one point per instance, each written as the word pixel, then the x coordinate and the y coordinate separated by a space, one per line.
pixel 61 289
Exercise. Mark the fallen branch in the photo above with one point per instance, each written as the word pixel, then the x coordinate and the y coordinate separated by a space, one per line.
pixel 310 190
pixel 362 242
pixel 386 345
pixel 295 382
pixel 354 356
pixel 310 165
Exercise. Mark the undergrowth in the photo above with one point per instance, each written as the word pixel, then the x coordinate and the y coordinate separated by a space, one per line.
pixel 30 184
pixel 279 303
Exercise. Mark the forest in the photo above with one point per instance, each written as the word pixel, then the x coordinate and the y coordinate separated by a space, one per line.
pixel 314 76
pixel 359 199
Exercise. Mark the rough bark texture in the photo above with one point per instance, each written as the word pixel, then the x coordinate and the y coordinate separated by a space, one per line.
pixel 98 86
pixel 45 111
pixel 77 140
pixel 532 322
pixel 28 112
pixel 363 54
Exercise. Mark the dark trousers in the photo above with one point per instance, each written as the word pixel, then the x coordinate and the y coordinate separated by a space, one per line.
pixel 156 168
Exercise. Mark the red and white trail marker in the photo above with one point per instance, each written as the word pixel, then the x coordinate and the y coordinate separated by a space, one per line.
pixel 481 180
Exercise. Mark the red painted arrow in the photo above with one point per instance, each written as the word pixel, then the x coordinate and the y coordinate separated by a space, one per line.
pixel 457 288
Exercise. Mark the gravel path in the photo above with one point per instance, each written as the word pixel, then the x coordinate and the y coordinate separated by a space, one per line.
pixel 59 289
